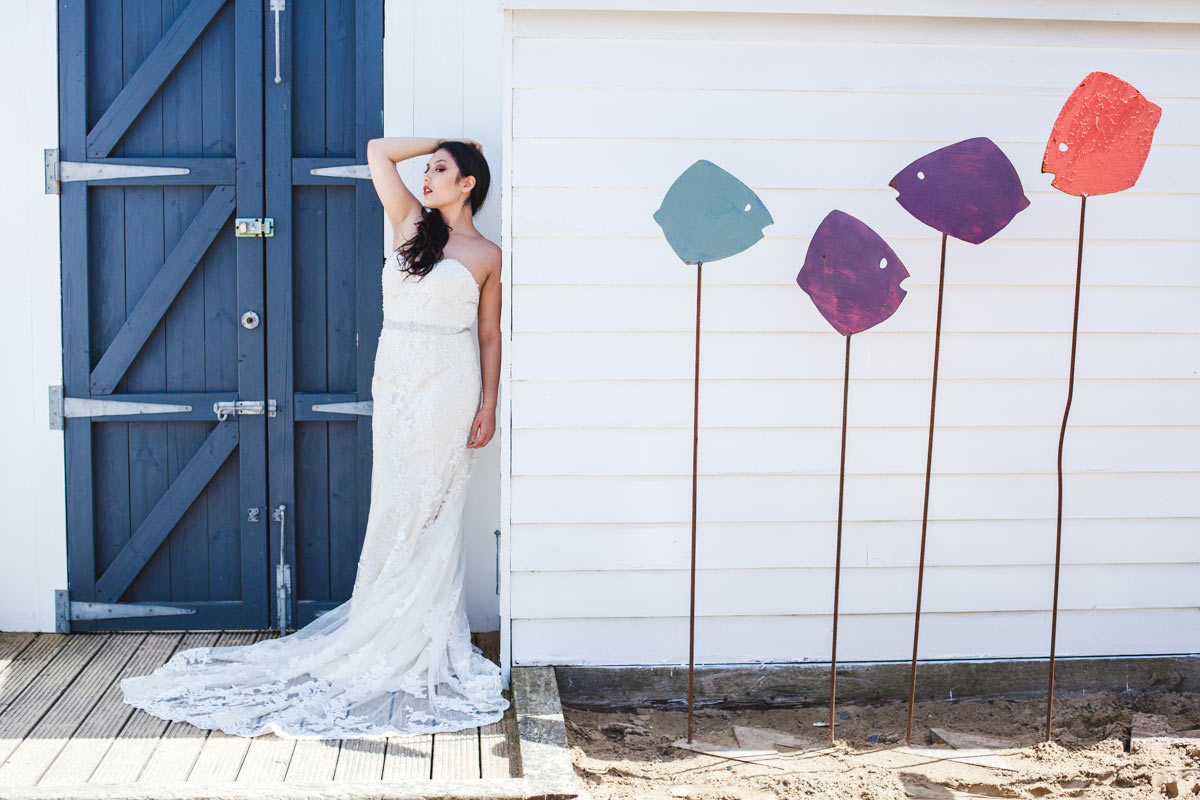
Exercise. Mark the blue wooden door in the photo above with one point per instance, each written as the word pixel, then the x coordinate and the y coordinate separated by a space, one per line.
pixel 324 302
pixel 190 350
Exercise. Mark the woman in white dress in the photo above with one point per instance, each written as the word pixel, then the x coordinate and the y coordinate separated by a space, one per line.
pixel 396 658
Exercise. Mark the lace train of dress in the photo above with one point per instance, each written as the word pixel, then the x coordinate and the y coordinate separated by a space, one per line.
pixel 396 658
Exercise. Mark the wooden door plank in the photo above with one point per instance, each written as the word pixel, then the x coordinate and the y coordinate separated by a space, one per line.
pixel 152 306
pixel 49 736
pixel 76 84
pixel 219 277
pixel 220 758
pixel 87 746
pixel 178 497
pixel 24 712
pixel 368 122
pixel 251 355
pixel 360 760
pixel 26 666
pixel 408 757
pixel 456 754
pixel 313 760
pixel 128 756
pixel 346 46
pixel 143 228
pixel 498 747
pixel 146 82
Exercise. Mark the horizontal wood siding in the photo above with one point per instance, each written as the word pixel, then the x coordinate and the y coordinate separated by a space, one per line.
pixel 817 112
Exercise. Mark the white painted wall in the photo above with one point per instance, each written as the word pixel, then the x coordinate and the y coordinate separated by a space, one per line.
pixel 441 79
pixel 817 112
pixel 33 531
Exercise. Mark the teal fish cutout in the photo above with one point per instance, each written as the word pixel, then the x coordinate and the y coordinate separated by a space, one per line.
pixel 708 214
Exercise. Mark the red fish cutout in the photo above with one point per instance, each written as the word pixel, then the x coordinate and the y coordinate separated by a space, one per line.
pixel 1101 137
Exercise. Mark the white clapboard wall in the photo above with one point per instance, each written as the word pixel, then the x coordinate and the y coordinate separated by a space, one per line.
pixel 817 112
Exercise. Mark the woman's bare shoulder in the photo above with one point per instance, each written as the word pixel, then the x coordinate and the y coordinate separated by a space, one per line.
pixel 485 256
pixel 494 257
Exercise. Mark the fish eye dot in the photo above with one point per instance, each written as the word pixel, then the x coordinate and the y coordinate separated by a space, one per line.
pixel 882 263
pixel 1062 147
pixel 747 208
pixel 920 176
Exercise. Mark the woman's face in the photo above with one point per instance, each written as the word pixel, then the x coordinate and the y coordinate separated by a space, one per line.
pixel 440 186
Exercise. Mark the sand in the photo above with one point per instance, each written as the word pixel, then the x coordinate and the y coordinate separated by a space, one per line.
pixel 632 755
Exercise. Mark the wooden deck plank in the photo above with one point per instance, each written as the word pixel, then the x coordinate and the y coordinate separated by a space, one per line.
pixel 27 664
pixel 32 704
pixel 313 760
pixel 360 760
pixel 456 754
pixel 42 745
pixel 267 759
pixel 87 746
pixel 220 759
pixel 127 758
pixel 268 755
pixel 176 751
pixel 11 645
pixel 408 757
pixel 77 727
pixel 498 747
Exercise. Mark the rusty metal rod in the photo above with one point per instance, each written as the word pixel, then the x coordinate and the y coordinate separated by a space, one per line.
pixel 937 344
pixel 1062 435
pixel 837 567
pixel 695 451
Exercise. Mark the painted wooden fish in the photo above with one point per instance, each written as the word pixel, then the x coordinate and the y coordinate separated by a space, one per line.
pixel 1101 138
pixel 708 214
pixel 968 190
pixel 851 274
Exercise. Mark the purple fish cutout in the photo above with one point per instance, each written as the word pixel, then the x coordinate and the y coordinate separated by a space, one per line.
pixel 969 190
pixel 851 274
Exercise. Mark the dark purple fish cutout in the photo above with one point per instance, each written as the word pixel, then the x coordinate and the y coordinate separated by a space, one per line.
pixel 851 274
pixel 969 190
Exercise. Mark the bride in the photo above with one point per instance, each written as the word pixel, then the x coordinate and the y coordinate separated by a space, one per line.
pixel 396 658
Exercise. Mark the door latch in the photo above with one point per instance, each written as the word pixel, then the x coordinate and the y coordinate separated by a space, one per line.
pixel 254 226
pixel 224 408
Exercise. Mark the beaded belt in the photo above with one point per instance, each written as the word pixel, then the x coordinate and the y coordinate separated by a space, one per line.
pixel 419 327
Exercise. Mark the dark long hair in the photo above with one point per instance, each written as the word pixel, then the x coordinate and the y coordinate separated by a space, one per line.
pixel 425 248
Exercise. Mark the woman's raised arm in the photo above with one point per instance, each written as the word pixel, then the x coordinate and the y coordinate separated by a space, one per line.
pixel 382 155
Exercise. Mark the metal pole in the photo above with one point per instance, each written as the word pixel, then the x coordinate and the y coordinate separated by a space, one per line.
pixel 937 344
pixel 1062 435
pixel 837 568
pixel 695 450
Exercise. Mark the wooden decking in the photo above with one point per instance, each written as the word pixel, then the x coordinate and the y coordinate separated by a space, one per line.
pixel 63 721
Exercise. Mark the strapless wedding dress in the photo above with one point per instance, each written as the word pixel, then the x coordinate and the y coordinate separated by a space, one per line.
pixel 396 658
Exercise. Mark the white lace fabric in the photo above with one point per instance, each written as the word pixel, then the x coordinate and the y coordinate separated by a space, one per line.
pixel 396 658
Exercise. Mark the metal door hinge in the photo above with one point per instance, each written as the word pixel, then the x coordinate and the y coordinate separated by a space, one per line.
pixel 59 172
pixel 224 408
pixel 361 172
pixel 254 226
pixel 62 407
pixel 67 610
pixel 362 408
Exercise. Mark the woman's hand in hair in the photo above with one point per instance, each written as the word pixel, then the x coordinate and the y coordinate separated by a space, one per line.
pixel 471 142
